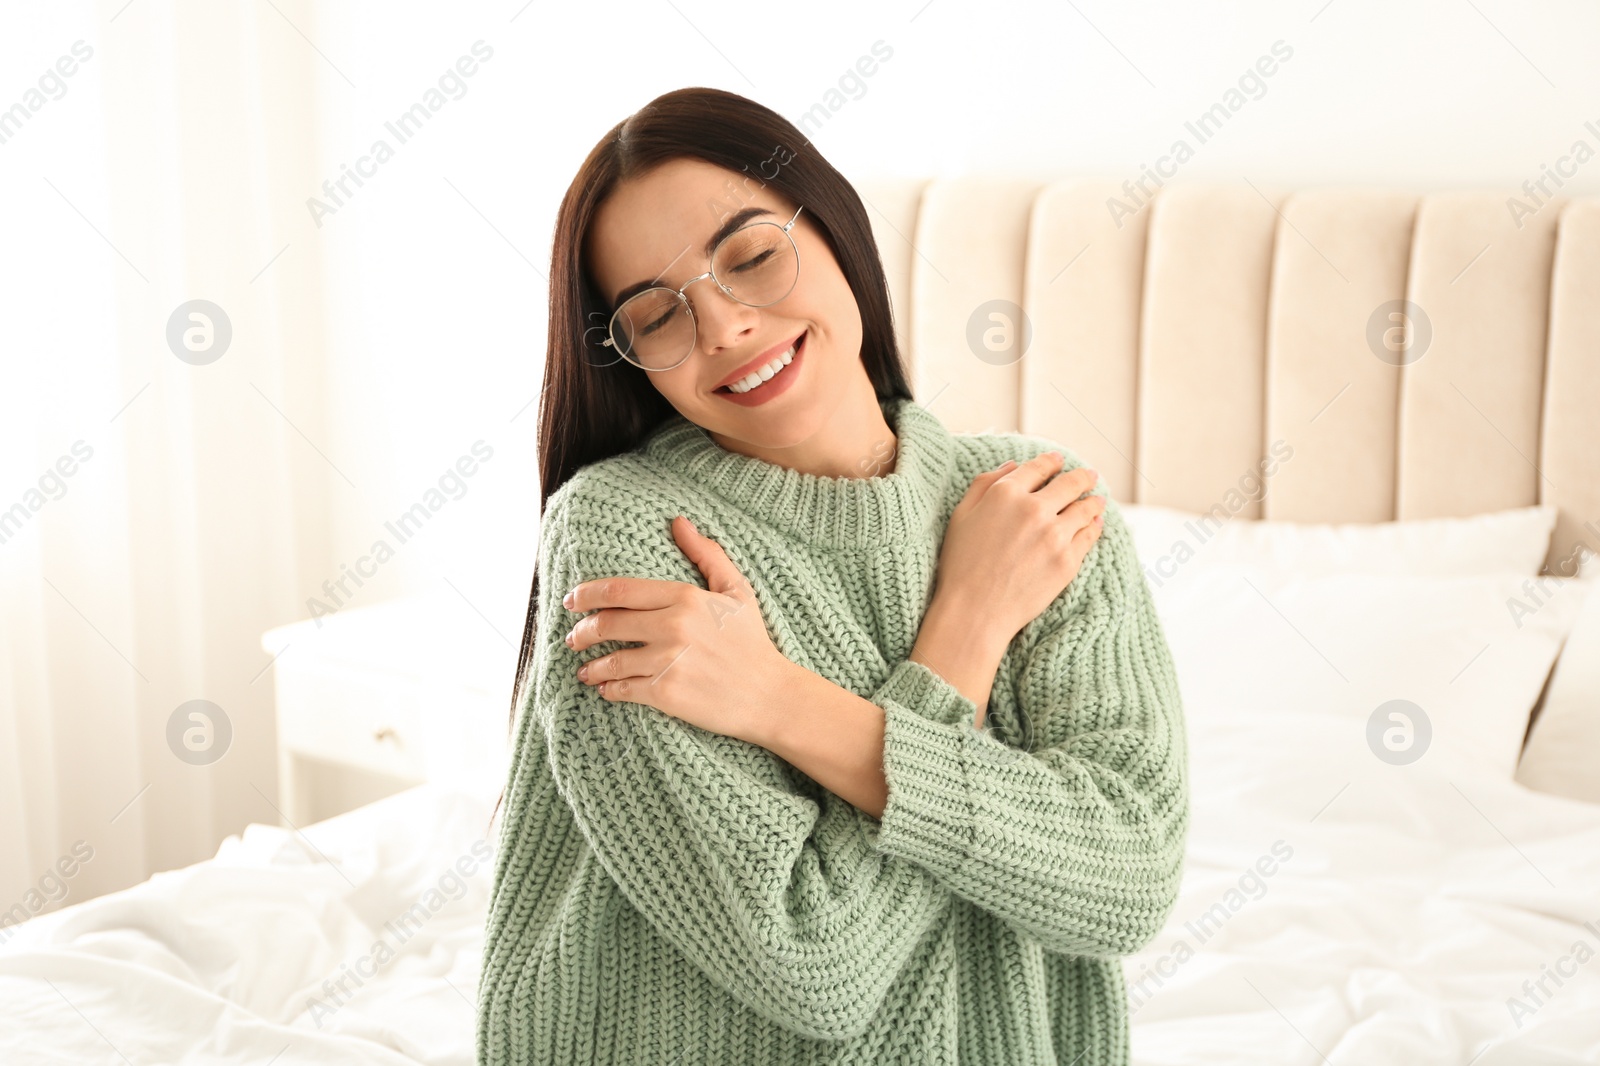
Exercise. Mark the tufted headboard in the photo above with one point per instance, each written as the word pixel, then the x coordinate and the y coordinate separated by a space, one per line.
pixel 1420 355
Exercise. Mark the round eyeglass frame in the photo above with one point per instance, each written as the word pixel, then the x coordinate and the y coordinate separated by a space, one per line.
pixel 694 323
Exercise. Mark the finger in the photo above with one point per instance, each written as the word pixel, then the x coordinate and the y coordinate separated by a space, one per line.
pixel 639 593
pixel 980 484
pixel 1036 471
pixel 720 573
pixel 636 687
pixel 1085 538
pixel 1086 506
pixel 1068 487
pixel 1084 511
pixel 629 662
pixel 614 623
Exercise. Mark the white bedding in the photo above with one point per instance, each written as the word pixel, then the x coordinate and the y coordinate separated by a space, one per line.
pixel 225 961
pixel 1414 903
pixel 1416 897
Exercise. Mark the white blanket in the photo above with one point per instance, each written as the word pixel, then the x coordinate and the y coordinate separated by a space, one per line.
pixel 357 941
pixel 1414 904
pixel 1405 906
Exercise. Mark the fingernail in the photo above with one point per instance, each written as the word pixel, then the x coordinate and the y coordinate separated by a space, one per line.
pixel 566 601
pixel 583 672
pixel 568 639
pixel 1008 464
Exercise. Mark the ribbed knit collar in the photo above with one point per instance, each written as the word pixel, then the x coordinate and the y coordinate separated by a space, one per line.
pixel 832 512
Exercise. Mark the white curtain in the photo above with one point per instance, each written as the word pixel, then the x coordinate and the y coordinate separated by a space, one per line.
pixel 148 530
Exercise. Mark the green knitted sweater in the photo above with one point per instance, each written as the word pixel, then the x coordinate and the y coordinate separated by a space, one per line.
pixel 664 894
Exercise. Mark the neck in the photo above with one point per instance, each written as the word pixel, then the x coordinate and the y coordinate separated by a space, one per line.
pixel 855 440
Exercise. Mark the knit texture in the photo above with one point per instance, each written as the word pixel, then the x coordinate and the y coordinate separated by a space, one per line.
pixel 665 894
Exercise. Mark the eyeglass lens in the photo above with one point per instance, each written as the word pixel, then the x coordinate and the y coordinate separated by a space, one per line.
pixel 758 266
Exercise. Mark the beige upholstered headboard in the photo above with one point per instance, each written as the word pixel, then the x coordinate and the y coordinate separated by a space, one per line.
pixel 1174 340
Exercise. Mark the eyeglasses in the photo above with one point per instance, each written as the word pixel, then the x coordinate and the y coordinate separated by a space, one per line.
pixel 756 265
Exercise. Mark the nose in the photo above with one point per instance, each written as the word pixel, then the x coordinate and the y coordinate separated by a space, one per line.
pixel 720 320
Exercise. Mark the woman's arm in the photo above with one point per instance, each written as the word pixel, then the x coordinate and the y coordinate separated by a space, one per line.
pixel 770 888
pixel 1078 844
pixel 835 737
pixel 953 643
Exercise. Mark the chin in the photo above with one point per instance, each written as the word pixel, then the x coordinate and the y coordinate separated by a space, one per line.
pixel 796 424
pixel 772 433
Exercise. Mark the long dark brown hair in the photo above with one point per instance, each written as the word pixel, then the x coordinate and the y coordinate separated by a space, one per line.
pixel 594 405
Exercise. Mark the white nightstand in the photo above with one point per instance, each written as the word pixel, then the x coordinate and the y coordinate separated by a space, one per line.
pixel 380 698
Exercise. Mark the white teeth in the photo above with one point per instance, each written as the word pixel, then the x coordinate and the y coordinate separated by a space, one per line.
pixel 764 374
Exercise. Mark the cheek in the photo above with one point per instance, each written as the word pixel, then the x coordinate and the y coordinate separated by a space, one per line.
pixel 836 305
pixel 847 321
pixel 675 385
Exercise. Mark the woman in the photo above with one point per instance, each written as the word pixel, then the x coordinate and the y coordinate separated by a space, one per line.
pixel 756 813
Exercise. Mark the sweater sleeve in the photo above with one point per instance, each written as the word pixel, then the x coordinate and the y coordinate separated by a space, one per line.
pixel 1077 844
pixel 765 884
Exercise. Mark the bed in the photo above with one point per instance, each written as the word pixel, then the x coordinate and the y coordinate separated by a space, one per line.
pixel 1342 900
pixel 1329 912
pixel 354 940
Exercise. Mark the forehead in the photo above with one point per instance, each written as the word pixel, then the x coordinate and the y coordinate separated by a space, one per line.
pixel 658 223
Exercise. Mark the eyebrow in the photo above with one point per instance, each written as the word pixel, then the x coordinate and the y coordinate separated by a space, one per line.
pixel 733 222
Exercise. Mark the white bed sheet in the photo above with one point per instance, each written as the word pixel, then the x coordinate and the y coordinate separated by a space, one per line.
pixel 225 961
pixel 1416 902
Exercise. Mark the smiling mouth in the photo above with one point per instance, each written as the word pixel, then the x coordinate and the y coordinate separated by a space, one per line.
pixel 757 378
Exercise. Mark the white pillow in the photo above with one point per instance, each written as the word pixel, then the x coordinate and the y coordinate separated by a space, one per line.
pixel 1565 745
pixel 1244 640
pixel 1171 542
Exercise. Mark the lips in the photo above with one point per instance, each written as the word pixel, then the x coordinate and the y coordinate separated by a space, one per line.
pixel 758 362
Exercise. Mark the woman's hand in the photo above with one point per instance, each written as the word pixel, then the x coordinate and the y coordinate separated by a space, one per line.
pixel 1014 542
pixel 707 658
